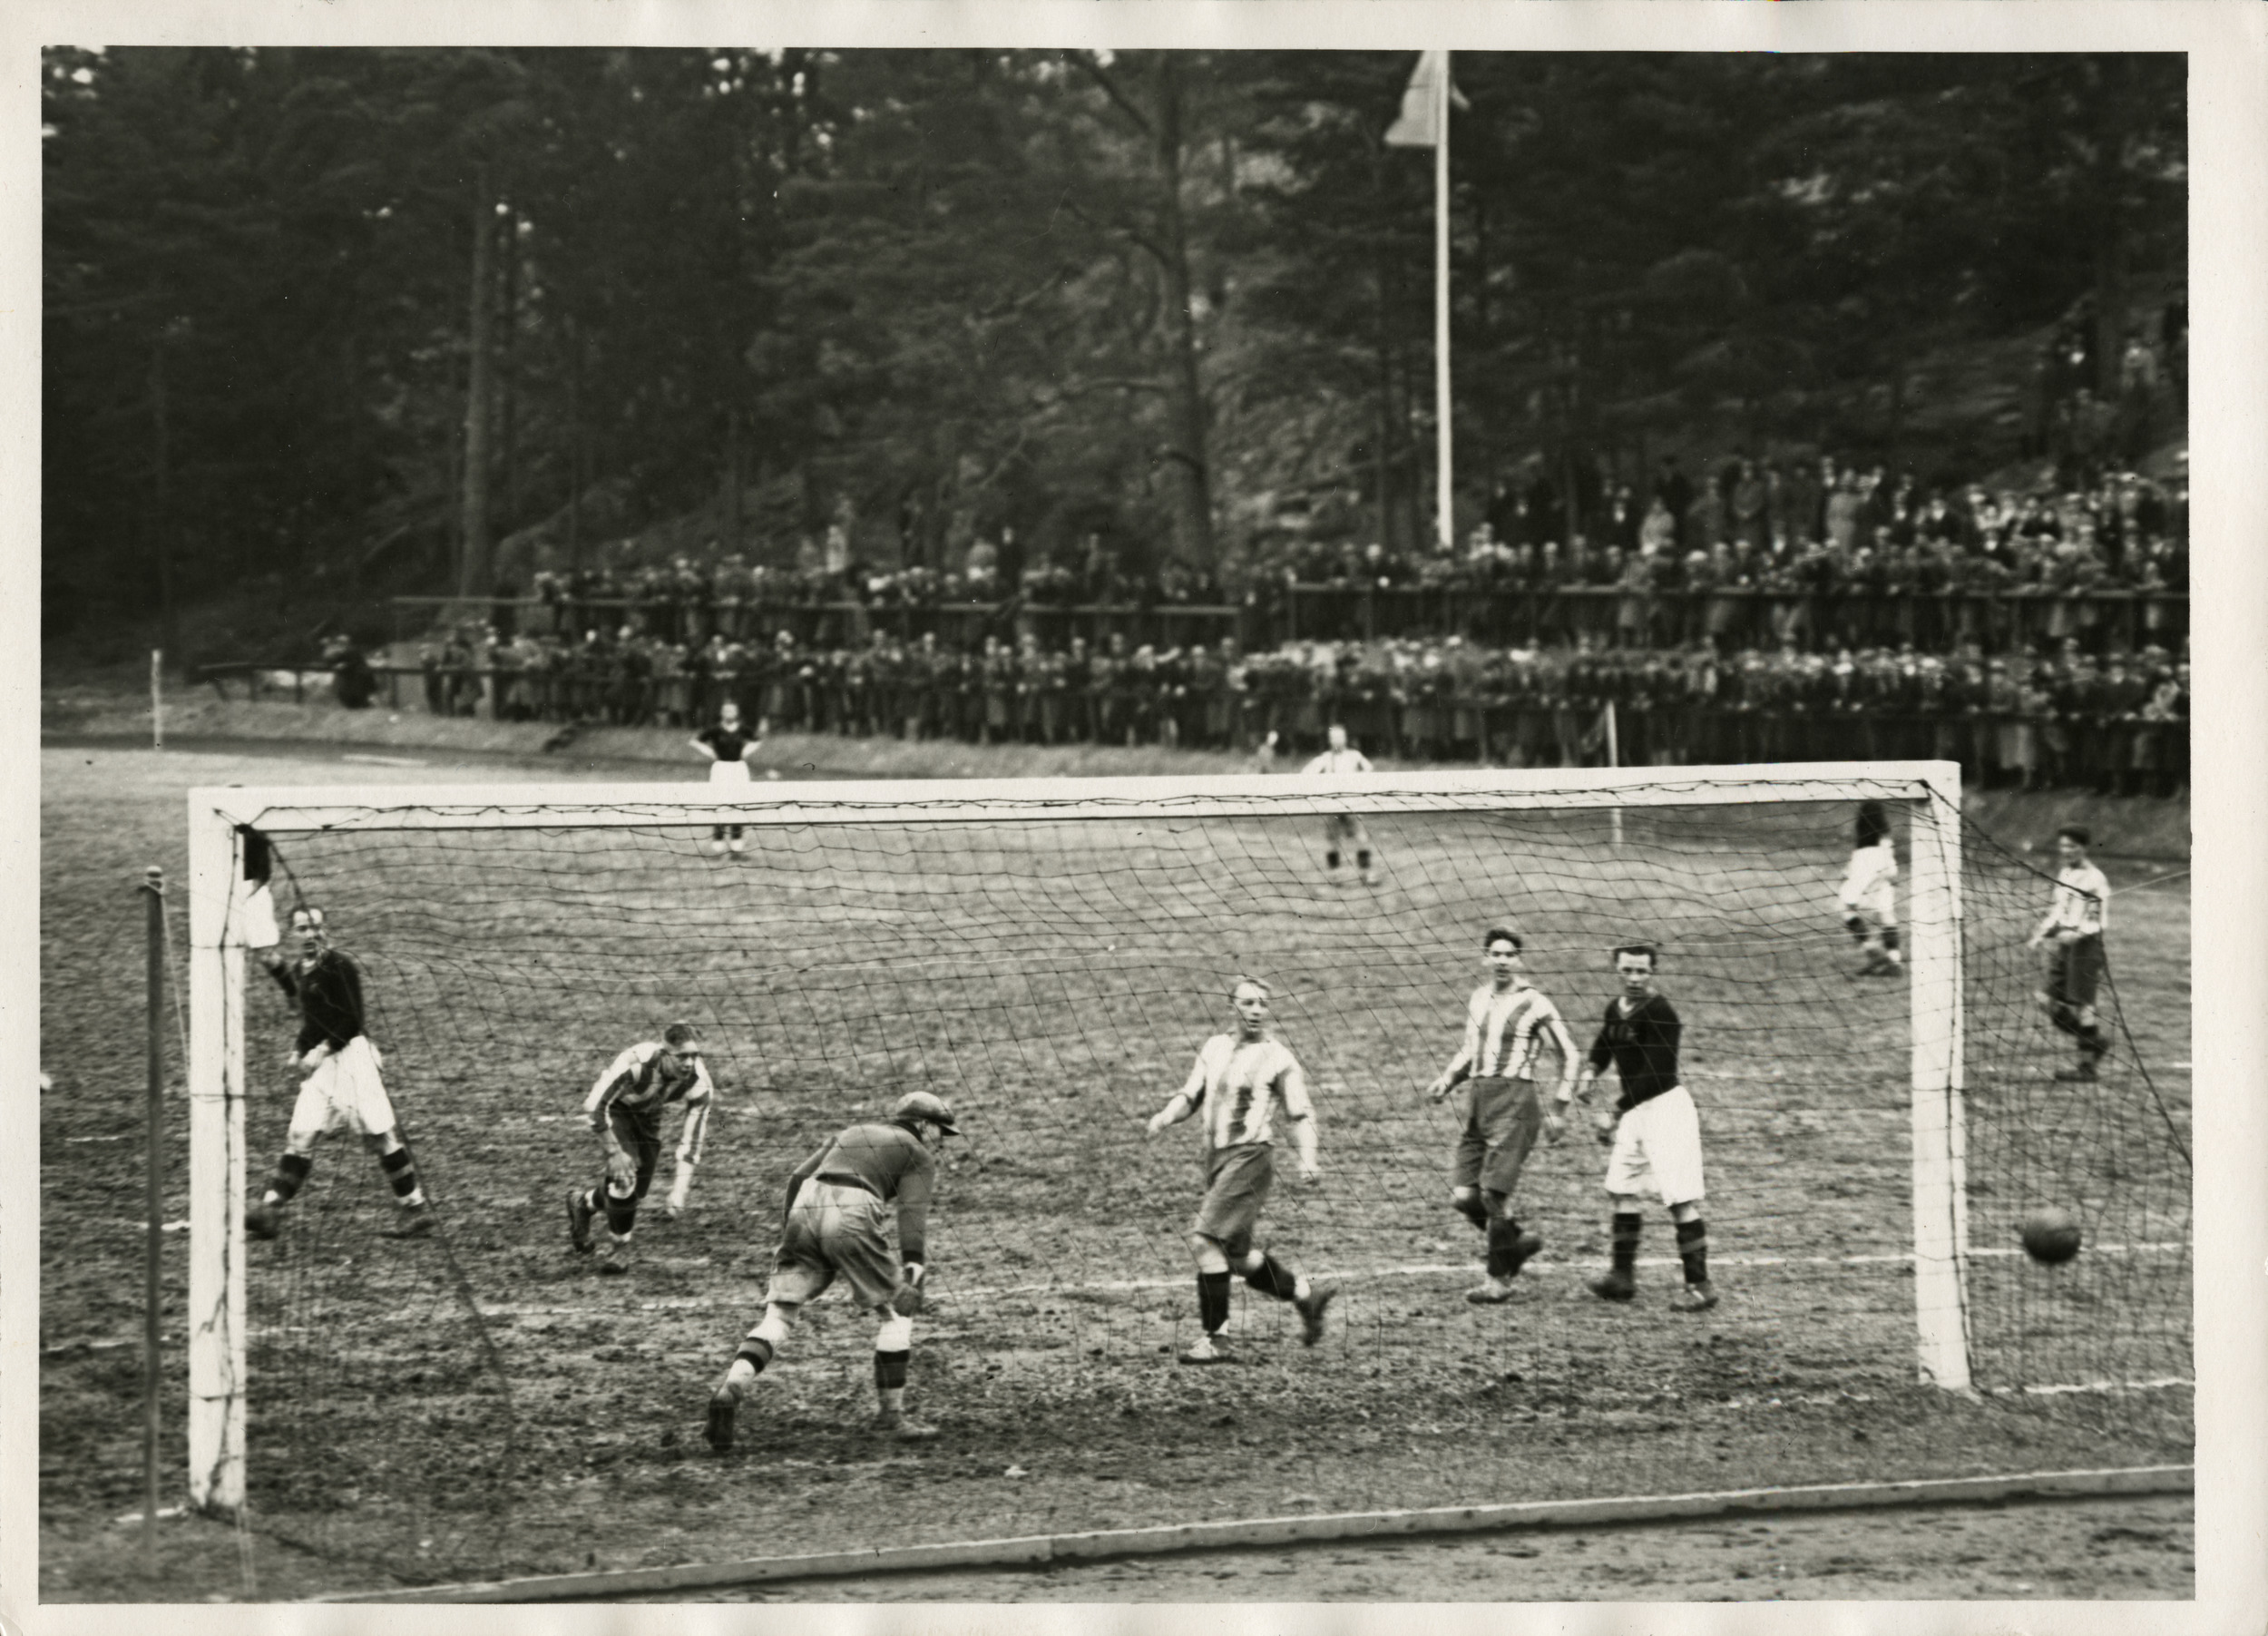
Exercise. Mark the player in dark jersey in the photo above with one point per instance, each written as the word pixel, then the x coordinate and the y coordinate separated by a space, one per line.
pixel 727 745
pixel 342 1088
pixel 839 1200
pixel 1653 1128
pixel 624 1108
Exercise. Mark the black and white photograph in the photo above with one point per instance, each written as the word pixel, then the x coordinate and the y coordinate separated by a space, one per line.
pixel 1261 813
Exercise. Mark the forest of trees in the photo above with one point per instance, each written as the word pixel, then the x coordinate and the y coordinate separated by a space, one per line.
pixel 354 317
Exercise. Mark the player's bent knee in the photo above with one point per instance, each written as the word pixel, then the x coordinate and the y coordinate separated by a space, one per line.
pixel 893 1334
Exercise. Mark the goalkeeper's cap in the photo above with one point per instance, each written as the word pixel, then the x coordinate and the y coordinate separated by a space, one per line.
pixel 917 1108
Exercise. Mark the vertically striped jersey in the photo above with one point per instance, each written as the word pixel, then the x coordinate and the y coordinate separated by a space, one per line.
pixel 1239 1087
pixel 645 1078
pixel 2082 900
pixel 1501 1030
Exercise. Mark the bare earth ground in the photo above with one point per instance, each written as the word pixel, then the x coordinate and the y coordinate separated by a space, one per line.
pixel 619 1479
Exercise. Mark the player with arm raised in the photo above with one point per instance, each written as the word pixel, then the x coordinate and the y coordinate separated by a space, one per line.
pixel 624 1108
pixel 1344 828
pixel 2072 934
pixel 1870 887
pixel 727 746
pixel 1506 1022
pixel 342 1088
pixel 839 1200
pixel 1654 1130
pixel 1239 1082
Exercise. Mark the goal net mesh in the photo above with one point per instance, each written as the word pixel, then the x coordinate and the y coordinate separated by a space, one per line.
pixel 481 1402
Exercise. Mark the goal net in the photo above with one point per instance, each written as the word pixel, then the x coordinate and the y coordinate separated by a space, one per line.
pixel 1051 957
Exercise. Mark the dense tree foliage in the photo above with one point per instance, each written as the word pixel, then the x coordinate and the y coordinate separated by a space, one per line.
pixel 438 315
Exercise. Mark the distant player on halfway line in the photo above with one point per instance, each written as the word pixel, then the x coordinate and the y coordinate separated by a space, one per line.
pixel 1506 1022
pixel 727 746
pixel 342 1088
pixel 1238 1083
pixel 625 1107
pixel 1343 827
pixel 2072 932
pixel 1870 892
pixel 839 1201
pixel 1870 888
pixel 1654 1132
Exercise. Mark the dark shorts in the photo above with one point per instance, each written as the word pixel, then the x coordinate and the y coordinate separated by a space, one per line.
pixel 2074 970
pixel 1501 1125
pixel 640 1136
pixel 1237 1180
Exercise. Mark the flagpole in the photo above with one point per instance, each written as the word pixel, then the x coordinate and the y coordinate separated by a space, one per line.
pixel 1444 521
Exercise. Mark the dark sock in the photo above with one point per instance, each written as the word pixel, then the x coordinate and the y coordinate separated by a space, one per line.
pixel 1362 859
pixel 1271 1278
pixel 890 1370
pixel 1472 1210
pixel 2091 1040
pixel 621 1214
pixel 1693 1249
pixel 1212 1300
pixel 1890 938
pixel 1857 927
pixel 1331 861
pixel 1624 1232
pixel 401 1172
pixel 1503 1235
pixel 292 1174
pixel 2063 1019
pixel 759 1352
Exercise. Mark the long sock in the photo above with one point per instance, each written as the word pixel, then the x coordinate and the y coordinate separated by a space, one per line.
pixel 890 1371
pixel 2064 1021
pixel 1362 859
pixel 2091 1040
pixel 1271 1278
pixel 401 1175
pixel 1856 927
pixel 621 1214
pixel 1212 1300
pixel 1330 861
pixel 1502 1235
pixel 1625 1229
pixel 1472 1210
pixel 756 1352
pixel 1889 939
pixel 292 1174
pixel 1693 1249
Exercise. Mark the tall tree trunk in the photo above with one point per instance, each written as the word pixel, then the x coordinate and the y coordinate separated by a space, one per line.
pixel 1191 477
pixel 728 518
pixel 574 446
pixel 473 565
pixel 507 367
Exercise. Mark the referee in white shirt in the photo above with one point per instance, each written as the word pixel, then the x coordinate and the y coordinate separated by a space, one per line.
pixel 1343 829
pixel 2072 934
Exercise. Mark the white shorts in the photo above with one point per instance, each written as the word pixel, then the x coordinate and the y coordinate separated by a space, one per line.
pixel 728 772
pixel 253 915
pixel 344 1092
pixel 1871 884
pixel 1657 1149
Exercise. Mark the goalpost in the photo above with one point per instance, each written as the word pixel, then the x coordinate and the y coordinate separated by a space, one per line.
pixel 516 935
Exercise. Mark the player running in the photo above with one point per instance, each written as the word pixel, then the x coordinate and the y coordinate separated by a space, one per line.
pixel 1343 827
pixel 625 1107
pixel 1505 1023
pixel 1239 1081
pixel 838 1203
pixel 727 746
pixel 342 1088
pixel 1654 1132
pixel 2072 933
pixel 1869 898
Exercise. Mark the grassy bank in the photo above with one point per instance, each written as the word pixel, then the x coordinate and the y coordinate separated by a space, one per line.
pixel 2134 827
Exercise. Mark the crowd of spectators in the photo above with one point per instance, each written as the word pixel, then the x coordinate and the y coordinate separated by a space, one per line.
pixel 2059 717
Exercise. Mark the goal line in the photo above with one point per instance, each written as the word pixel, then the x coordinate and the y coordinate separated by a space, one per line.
pixel 1103 1544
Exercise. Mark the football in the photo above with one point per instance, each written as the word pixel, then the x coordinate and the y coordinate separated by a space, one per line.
pixel 2051 1235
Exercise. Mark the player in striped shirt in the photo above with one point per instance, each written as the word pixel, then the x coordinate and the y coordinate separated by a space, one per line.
pixel 1344 828
pixel 2072 934
pixel 625 1107
pixel 1506 1023
pixel 1240 1081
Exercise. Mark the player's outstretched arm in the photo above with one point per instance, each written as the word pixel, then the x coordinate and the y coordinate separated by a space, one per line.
pixel 1182 1102
pixel 1459 1066
pixel 698 1101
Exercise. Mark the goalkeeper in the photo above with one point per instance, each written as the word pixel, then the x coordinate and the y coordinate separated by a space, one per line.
pixel 838 1203
pixel 625 1108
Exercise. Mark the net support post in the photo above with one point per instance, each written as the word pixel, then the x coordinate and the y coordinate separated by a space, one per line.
pixel 1941 1180
pixel 216 1164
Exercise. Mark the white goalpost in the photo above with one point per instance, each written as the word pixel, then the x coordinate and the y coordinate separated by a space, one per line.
pixel 1589 855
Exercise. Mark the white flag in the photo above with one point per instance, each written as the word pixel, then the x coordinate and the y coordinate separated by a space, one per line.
pixel 1415 129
